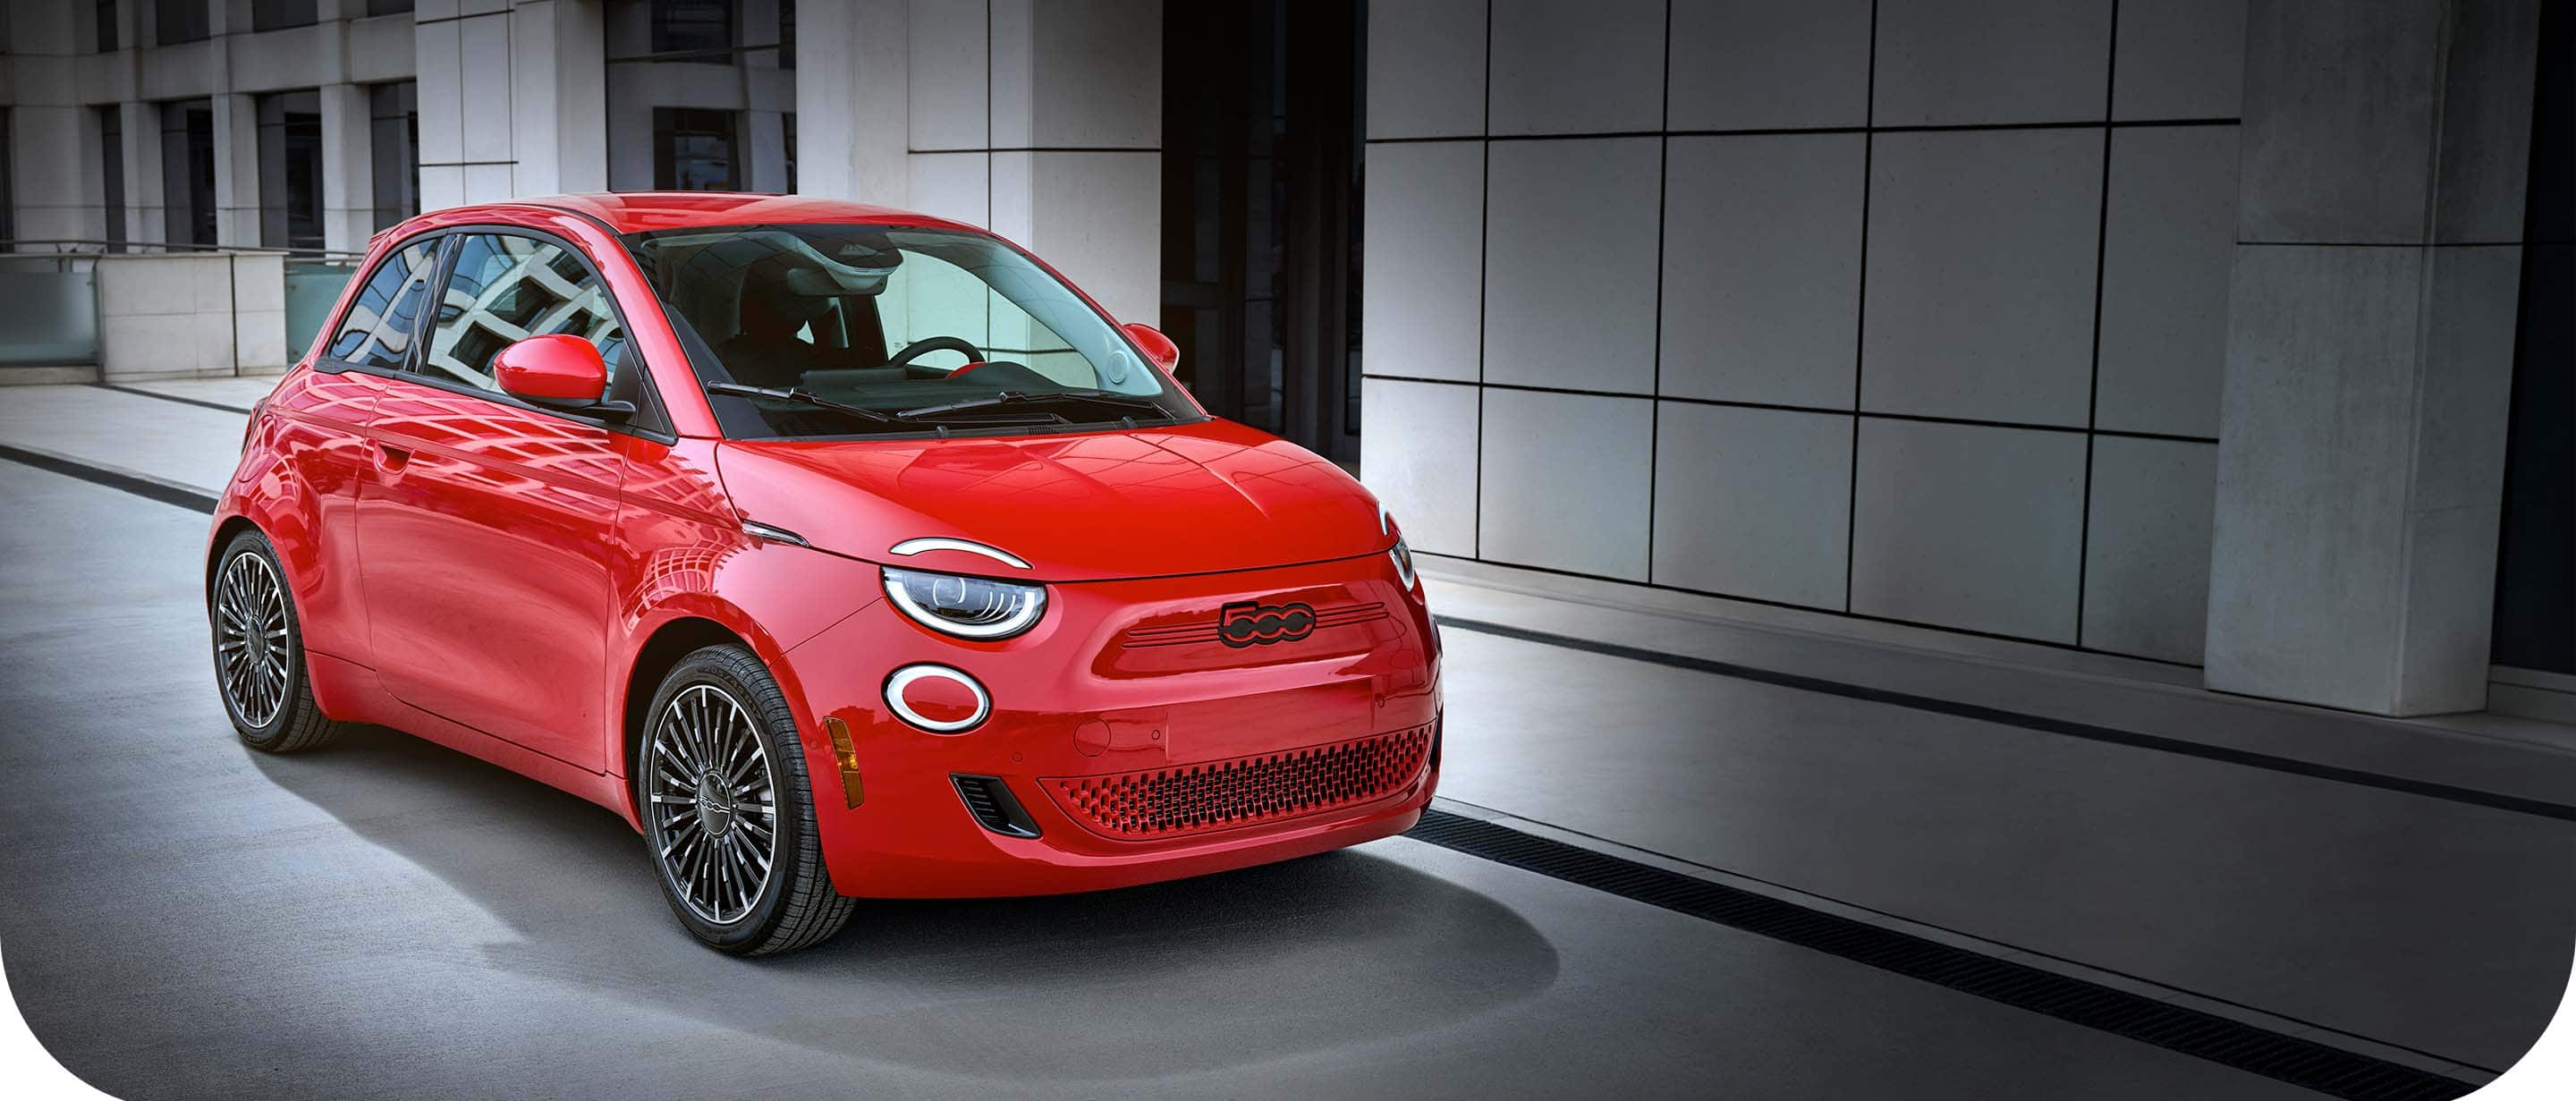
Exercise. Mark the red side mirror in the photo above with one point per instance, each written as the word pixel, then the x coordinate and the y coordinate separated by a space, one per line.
pixel 1154 344
pixel 556 369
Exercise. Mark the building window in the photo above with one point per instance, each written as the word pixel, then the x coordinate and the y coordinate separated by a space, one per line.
pixel 693 150
pixel 787 35
pixel 111 173
pixel 388 7
pixel 290 170
pixel 271 15
pixel 787 138
pixel 104 11
pixel 693 26
pixel 188 171
pixel 8 201
pixel 393 140
pixel 175 21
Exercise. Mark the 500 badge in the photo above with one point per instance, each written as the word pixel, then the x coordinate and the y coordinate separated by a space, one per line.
pixel 1254 624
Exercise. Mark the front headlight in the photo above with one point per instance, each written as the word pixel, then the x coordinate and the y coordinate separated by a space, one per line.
pixel 1403 556
pixel 967 607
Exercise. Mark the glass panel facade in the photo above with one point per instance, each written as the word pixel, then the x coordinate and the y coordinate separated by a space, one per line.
pixel 175 21
pixel 693 26
pixel 694 150
pixel 270 15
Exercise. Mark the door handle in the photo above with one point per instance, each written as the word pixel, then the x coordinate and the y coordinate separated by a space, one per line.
pixel 391 457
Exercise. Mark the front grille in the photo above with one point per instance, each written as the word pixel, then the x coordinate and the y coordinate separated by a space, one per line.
pixel 1218 795
pixel 1205 631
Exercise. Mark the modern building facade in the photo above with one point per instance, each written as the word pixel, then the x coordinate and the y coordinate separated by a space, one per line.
pixel 2218 333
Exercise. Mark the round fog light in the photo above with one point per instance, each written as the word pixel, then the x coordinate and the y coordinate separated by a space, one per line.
pixel 937 698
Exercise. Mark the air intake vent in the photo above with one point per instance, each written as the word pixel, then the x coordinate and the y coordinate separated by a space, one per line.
pixel 1163 802
pixel 991 802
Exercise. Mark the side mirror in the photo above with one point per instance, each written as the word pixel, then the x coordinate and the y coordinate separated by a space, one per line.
pixel 1154 344
pixel 559 371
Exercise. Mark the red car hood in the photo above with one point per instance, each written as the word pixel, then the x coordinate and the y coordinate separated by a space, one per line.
pixel 1147 503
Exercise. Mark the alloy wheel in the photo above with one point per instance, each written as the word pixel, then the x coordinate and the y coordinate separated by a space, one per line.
pixel 713 807
pixel 250 638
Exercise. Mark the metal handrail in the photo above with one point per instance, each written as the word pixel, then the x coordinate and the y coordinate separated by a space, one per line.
pixel 102 247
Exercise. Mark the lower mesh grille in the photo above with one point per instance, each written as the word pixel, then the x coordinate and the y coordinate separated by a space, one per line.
pixel 1164 802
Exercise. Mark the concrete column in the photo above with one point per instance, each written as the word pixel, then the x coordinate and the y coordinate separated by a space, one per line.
pixel 236 170
pixel 503 92
pixel 852 100
pixel 348 169
pixel 1077 134
pixel 2370 340
pixel 53 145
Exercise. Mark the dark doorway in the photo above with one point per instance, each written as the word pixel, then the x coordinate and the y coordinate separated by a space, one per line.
pixel 1261 213
pixel 188 171
pixel 2535 613
pixel 290 170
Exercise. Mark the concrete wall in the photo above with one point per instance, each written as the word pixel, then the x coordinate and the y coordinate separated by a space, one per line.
pixel 1039 120
pixel 188 315
pixel 1908 311
pixel 511 92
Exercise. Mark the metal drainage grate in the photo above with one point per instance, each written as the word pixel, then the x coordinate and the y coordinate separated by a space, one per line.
pixel 2188 1031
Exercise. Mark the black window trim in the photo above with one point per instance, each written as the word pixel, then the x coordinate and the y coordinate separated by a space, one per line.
pixel 651 421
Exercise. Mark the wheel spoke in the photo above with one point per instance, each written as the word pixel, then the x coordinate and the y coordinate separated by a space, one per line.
pixel 711 803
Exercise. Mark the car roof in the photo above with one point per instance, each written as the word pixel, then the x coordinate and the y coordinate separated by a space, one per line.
pixel 637 211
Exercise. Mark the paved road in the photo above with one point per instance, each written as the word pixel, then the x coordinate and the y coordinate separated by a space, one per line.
pixel 184 918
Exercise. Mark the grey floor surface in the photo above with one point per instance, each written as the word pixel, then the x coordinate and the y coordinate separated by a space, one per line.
pixel 181 917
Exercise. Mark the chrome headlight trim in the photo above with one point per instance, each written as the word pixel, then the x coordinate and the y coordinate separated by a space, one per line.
pixel 1402 556
pixel 1030 603
pixel 910 547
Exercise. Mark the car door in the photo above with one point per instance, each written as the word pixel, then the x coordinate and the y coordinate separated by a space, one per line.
pixel 487 523
pixel 315 423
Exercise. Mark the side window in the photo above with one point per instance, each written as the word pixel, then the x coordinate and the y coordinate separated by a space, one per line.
pixel 377 331
pixel 506 288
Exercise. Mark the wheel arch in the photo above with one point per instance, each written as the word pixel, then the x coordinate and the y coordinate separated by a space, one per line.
pixel 662 650
pixel 226 530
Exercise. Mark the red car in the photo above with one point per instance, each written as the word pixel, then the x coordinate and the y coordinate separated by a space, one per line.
pixel 846 552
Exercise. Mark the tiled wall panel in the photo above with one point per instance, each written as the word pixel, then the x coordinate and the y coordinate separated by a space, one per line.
pixel 1906 311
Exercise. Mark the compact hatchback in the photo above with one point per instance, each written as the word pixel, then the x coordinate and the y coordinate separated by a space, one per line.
pixel 846 552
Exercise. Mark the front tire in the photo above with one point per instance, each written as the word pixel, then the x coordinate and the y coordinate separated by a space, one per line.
pixel 260 668
pixel 728 813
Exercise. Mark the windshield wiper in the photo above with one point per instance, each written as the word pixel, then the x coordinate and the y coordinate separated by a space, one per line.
pixel 1020 397
pixel 801 396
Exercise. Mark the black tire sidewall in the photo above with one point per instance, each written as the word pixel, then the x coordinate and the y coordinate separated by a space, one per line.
pixel 735 670
pixel 297 685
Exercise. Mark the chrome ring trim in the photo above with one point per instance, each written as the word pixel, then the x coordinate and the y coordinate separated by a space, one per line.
pixel 910 547
pixel 903 678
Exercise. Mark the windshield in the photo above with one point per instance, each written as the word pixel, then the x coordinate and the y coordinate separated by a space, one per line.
pixel 881 330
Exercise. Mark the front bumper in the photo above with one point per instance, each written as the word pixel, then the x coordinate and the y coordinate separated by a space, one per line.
pixel 1139 745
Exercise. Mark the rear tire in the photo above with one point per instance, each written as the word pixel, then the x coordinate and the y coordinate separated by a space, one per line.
pixel 728 813
pixel 260 670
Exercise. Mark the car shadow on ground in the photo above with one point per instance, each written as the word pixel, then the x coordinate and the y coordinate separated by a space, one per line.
pixel 1347 948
